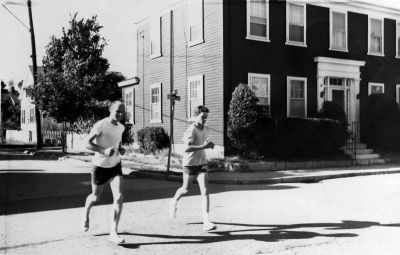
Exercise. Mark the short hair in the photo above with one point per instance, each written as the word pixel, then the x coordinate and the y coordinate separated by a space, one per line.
pixel 199 109
pixel 114 104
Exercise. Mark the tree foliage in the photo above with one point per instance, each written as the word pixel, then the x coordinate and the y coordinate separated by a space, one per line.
pixel 75 75
pixel 10 108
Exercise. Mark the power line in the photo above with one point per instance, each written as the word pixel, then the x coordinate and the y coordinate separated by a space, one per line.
pixel 16 17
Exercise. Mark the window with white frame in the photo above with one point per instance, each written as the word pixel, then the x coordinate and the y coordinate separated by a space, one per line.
pixel 376 88
pixel 155 102
pixel 129 100
pixel 338 26
pixel 296 24
pixel 398 94
pixel 257 19
pixel 196 34
pixel 260 85
pixel 398 39
pixel 195 93
pixel 375 39
pixel 155 37
pixel 297 97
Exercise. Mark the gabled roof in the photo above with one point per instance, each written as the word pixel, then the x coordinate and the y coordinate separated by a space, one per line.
pixel 39 70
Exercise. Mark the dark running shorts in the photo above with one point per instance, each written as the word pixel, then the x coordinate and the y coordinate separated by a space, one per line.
pixel 195 170
pixel 101 175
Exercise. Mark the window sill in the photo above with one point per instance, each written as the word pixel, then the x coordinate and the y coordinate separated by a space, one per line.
pixel 341 50
pixel 155 121
pixel 155 56
pixel 296 44
pixel 194 43
pixel 375 54
pixel 255 38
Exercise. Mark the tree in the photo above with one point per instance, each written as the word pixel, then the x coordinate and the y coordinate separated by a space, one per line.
pixel 75 73
pixel 10 107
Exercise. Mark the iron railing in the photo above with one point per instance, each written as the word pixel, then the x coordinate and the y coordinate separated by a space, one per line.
pixel 354 138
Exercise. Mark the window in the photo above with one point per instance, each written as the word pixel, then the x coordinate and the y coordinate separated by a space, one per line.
pixel 376 88
pixel 375 39
pixel 129 100
pixel 257 20
pixel 155 37
pixel 398 94
pixel 32 115
pixel 195 93
pixel 260 85
pixel 338 26
pixel 398 39
pixel 296 24
pixel 23 116
pixel 297 97
pixel 155 102
pixel 195 22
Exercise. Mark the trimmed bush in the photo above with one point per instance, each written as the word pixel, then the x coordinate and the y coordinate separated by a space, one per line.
pixel 380 123
pixel 242 122
pixel 152 139
pixel 127 135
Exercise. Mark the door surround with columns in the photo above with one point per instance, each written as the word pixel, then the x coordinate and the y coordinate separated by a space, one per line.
pixel 340 68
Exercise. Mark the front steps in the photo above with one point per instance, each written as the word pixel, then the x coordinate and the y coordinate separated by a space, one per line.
pixel 363 155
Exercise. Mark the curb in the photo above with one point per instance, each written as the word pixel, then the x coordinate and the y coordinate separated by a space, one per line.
pixel 295 179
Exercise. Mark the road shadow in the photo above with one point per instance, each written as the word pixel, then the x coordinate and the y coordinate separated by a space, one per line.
pixel 274 233
pixel 24 190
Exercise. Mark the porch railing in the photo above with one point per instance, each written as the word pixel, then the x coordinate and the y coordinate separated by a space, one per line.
pixel 353 129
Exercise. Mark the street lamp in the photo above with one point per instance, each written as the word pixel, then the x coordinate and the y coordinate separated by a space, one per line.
pixel 34 67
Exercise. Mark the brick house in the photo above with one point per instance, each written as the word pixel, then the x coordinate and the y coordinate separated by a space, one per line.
pixel 293 54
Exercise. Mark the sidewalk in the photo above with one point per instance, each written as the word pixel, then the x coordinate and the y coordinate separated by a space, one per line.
pixel 271 177
pixel 132 169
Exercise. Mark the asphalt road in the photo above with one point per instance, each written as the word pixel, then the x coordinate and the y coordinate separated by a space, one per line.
pixel 41 202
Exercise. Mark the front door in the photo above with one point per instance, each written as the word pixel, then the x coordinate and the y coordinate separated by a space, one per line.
pixel 339 93
pixel 339 98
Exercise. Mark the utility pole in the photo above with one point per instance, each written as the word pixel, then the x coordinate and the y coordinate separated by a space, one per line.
pixel 173 94
pixel 34 70
pixel 1 114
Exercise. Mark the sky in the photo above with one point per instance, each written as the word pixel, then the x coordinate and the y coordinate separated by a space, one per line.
pixel 117 17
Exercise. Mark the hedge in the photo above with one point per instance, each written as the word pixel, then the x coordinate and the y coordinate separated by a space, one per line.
pixel 380 123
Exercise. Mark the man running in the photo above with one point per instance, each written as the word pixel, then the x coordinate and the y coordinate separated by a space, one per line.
pixel 194 164
pixel 105 140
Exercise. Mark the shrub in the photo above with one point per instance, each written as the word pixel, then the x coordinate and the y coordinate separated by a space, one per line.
pixel 152 139
pixel 127 135
pixel 242 121
pixel 380 123
pixel 333 111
